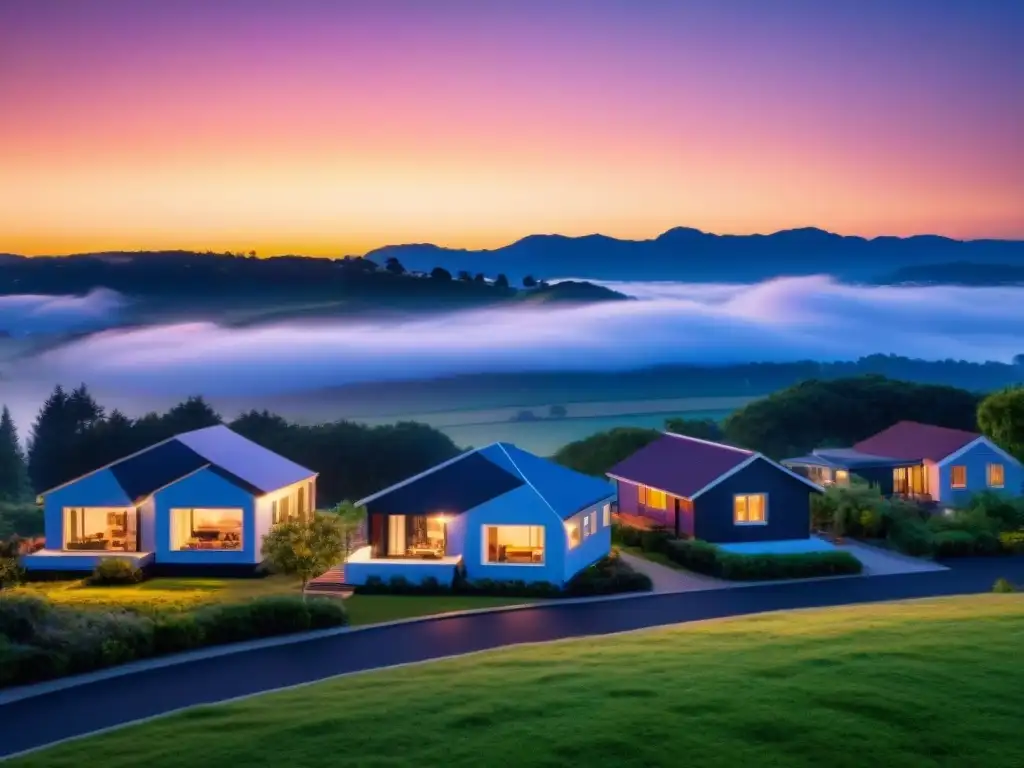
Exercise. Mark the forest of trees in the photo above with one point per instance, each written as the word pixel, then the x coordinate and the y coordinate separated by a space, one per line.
pixel 817 414
pixel 73 434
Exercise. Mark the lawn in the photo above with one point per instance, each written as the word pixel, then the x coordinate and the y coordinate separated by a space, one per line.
pixel 166 594
pixel 922 683
pixel 372 609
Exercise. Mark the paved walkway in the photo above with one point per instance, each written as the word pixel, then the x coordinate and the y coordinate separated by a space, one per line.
pixel 71 712
pixel 666 579
pixel 884 562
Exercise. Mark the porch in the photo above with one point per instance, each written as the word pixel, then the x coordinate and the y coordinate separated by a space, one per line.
pixel 64 560
pixel 361 565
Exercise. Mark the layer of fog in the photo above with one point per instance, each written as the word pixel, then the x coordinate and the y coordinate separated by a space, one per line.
pixel 778 320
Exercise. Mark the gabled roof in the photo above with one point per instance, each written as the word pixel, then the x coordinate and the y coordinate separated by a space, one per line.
pixel 688 466
pixel 238 460
pixel 845 458
pixel 477 476
pixel 911 440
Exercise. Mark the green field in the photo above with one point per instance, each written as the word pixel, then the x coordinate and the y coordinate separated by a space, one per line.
pixel 922 683
pixel 171 595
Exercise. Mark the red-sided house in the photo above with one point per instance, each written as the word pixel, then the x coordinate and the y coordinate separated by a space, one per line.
pixel 714 492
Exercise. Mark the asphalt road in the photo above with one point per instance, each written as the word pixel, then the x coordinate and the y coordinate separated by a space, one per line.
pixel 42 720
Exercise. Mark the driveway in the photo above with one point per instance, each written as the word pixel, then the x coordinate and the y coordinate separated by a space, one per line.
pixel 84 709
pixel 667 579
pixel 884 562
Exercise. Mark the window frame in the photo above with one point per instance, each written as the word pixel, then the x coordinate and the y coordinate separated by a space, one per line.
pixel 737 496
pixel 1002 475
pixel 171 515
pixel 484 545
pixel 952 477
pixel 607 515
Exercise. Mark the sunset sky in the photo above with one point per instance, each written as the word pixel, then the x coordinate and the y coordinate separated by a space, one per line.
pixel 335 126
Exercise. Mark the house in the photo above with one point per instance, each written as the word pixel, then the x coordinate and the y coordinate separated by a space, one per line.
pixel 497 513
pixel 715 492
pixel 198 502
pixel 919 461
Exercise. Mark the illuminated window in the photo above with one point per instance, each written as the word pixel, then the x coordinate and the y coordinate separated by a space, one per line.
pixel 652 499
pixel 750 509
pixel 607 515
pixel 101 528
pixel 514 544
pixel 586 526
pixel 842 477
pixel 572 531
pixel 996 476
pixel 958 475
pixel 206 529
pixel 593 523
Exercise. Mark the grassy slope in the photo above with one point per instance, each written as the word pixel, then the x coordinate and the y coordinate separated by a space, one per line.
pixel 185 594
pixel 925 683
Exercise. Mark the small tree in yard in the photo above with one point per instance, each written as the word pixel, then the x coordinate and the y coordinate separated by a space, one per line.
pixel 305 548
pixel 351 519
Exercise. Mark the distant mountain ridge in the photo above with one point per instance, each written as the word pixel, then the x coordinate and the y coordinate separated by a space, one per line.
pixel 681 253
pixel 688 254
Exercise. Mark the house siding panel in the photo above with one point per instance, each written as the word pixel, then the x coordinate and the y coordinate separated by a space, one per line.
pixel 594 546
pixel 789 506
pixel 628 496
pixel 99 489
pixel 519 507
pixel 206 489
pixel 977 460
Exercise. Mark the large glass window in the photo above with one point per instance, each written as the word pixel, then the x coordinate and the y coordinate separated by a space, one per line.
pixel 958 476
pixel 653 499
pixel 101 528
pixel 206 529
pixel 996 476
pixel 514 544
pixel 750 509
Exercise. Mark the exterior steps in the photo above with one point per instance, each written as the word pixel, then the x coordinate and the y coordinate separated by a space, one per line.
pixel 331 582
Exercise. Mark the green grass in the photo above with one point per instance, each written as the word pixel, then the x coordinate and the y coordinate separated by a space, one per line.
pixel 922 683
pixel 184 594
pixel 372 609
pixel 164 594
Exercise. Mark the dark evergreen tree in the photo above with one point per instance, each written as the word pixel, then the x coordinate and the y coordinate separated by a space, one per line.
pixel 13 472
pixel 59 448
pixel 194 413
pixel 501 281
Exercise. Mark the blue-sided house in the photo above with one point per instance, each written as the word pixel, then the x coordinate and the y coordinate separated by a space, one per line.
pixel 923 462
pixel 715 492
pixel 199 502
pixel 498 513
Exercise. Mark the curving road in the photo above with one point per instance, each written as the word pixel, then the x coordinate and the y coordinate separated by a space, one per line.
pixel 51 717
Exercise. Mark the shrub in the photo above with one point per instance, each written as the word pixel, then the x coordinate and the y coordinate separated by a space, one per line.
pixel 702 557
pixel 22 664
pixel 910 535
pixel 21 615
pixel 609 575
pixel 261 617
pixel 654 539
pixel 694 554
pixel 1003 585
pixel 326 612
pixel 177 632
pixel 626 535
pixel 112 571
pixel 11 573
pixel 1012 542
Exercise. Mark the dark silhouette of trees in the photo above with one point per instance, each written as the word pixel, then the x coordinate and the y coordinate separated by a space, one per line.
pixel 440 273
pixel 464 276
pixel 703 429
pixel 14 485
pixel 529 281
pixel 1001 418
pixel 1018 360
pixel 480 278
pixel 598 453
pixel 348 456
pixel 394 266
pixel 501 281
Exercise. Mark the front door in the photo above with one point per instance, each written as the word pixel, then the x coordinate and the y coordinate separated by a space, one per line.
pixel 396 535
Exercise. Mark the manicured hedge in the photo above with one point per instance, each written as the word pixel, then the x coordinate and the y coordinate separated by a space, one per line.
pixel 609 575
pixel 39 641
pixel 702 557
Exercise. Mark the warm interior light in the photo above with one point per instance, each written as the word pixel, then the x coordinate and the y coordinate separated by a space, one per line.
pixel 442 519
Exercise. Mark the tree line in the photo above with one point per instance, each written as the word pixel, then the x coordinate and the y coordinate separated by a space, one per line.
pixel 818 414
pixel 73 434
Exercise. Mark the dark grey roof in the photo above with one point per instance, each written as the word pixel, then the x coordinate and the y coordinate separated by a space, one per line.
pixel 450 488
pixel 476 477
pixel 845 458
pixel 227 454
